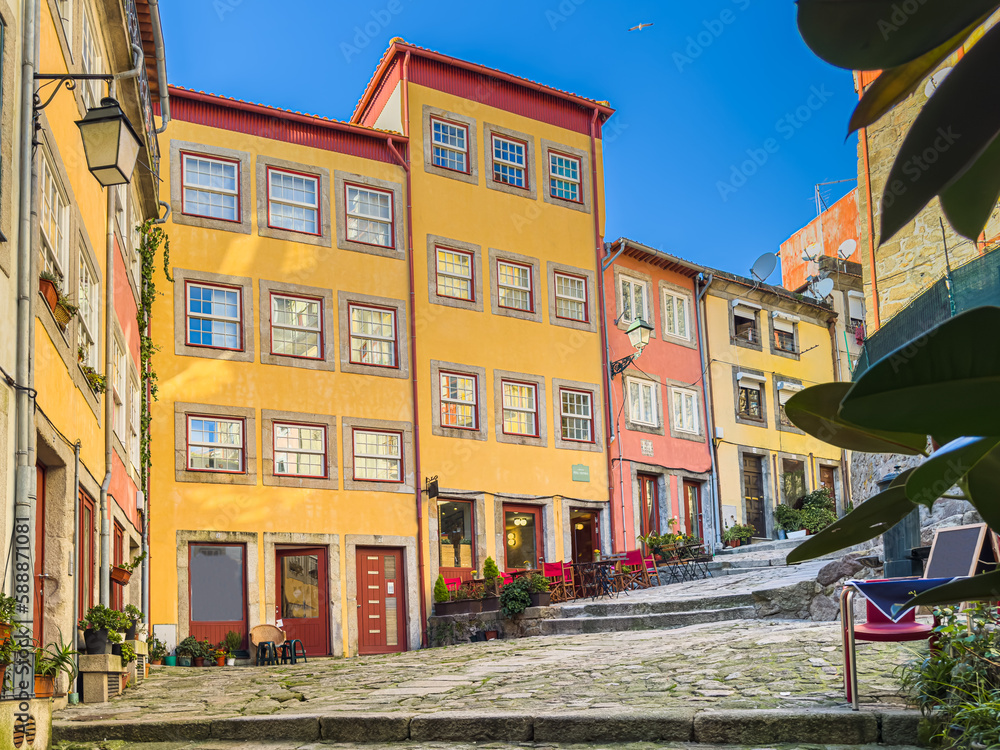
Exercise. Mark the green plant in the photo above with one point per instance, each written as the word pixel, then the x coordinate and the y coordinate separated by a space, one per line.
pixel 128 653
pixel 56 657
pixel 132 613
pixel 8 652
pixel 538 584
pixel 788 518
pixel 490 570
pixel 157 649
pixel 468 591
pixel 655 543
pixel 112 620
pixel 232 641
pixel 441 593
pixel 818 510
pixel 8 608
pixel 515 597
pixel 98 383
pixel 49 276
pixel 192 647
pixel 66 305
pixel 131 566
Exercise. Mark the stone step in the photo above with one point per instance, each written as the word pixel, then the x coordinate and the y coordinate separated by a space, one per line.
pixel 772 544
pixel 661 621
pixel 624 606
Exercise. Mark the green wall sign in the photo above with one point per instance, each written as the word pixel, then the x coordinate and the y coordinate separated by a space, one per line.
pixel 581 473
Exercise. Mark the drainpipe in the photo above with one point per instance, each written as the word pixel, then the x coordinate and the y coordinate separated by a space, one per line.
pixel 838 375
pixel 706 391
pixel 161 65
pixel 72 553
pixel 871 225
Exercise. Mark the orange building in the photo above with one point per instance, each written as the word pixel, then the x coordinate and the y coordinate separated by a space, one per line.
pixel 824 235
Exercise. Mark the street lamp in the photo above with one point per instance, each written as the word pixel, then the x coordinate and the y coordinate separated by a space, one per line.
pixel 110 143
pixel 638 335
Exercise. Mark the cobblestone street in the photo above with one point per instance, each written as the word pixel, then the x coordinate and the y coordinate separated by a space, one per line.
pixel 222 745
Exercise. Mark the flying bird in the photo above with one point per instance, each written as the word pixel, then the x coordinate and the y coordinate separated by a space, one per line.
pixel 640 27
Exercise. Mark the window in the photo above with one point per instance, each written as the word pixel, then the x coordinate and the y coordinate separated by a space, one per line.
pixel 454 274
pixel 214 317
pixel 378 456
pixel 642 402
pixel 90 58
pixel 675 315
pixel 118 392
pixel 299 450
pixel 215 444
pixel 633 300
pixel 459 406
pixel 784 335
pixel 750 400
pixel 450 144
pixel 520 408
pixel 685 411
pixel 135 424
pixel 508 162
pixel 855 311
pixel 54 223
pixel 564 177
pixel 514 286
pixel 785 391
pixel 89 314
pixel 130 234
pixel 571 297
pixel 369 216
pixel 211 187
pixel 292 201
pixel 793 480
pixel 373 336
pixel 65 9
pixel 576 416
pixel 296 326
pixel 456 534
pixel 745 325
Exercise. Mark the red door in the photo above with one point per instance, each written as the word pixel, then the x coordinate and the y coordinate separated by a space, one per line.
pixel 650 505
pixel 523 547
pixel 118 557
pixel 692 510
pixel 40 555
pixel 85 553
pixel 217 590
pixel 586 535
pixel 301 598
pixel 381 605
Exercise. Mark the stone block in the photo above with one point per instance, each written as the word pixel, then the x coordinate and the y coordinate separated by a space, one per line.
pixel 471 727
pixel 779 725
pixel 128 731
pixel 141 647
pixel 95 687
pixel 900 728
pixel 267 729
pixel 365 728
pixel 615 726
pixel 100 663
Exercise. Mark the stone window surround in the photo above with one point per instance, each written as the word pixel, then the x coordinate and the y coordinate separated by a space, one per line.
pixel 120 441
pixel 619 321
pixel 704 480
pixel 838 484
pixel 762 383
pixel 73 329
pixel 585 203
pixel 482 430
pixel 547 507
pixel 339 198
pixel 267 419
pixel 671 386
pixel 327 319
pixel 181 472
pixel 478 501
pixel 476 303
pixel 664 494
pixel 495 257
pixel 766 483
pixel 182 276
pixel 597 415
pixel 322 175
pixel 348 425
pixel 531 191
pixel 540 410
pixel 739 340
pixel 250 561
pixel 773 336
pixel 472 176
pixel 635 375
pixel 589 277
pixel 402 369
pixel 782 456
pixel 602 509
pixel 776 394
pixel 679 291
pixel 176 194
pixel 411 582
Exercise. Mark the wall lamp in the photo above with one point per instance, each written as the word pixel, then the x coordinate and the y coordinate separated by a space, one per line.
pixel 638 335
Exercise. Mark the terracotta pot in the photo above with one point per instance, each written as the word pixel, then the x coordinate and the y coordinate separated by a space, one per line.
pixel 220 661
pixel 49 291
pixel 156 662
pixel 492 635
pixel 5 628
pixel 45 685
pixel 120 576
pixel 199 661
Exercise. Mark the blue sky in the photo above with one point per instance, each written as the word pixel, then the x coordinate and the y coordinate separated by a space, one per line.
pixel 725 119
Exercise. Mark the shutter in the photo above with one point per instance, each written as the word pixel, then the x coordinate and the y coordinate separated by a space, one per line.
pixel 781 324
pixel 857 308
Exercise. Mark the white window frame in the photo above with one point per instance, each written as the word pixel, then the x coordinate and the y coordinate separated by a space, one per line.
pixel 185 187
pixel 678 399
pixel 118 384
pixel 54 219
pixel 585 300
pixel 306 207
pixel 66 6
pixel 360 216
pixel 678 306
pixel 628 314
pixel 436 145
pixel 135 423
pixel 240 449
pixel 238 320
pixel 324 473
pixel 564 415
pixel 89 314
pixel 396 458
pixel 447 375
pixel 317 329
pixel 439 274
pixel 394 339
pixel 638 416
pixel 558 180
pixel 502 286
pixel 505 407
pixel 511 165
pixel 91 61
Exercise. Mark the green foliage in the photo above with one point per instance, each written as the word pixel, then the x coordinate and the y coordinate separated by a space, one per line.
pixel 468 591
pixel 490 570
pixel 128 653
pixel 157 649
pixel 192 647
pixel 98 383
pixel 743 532
pixel 515 597
pixel 818 510
pixel 8 651
pixel 112 620
pixel 131 566
pixel 133 613
pixel 441 593
pixel 656 543
pixel 787 518
pixel 232 641
pixel 8 608
pixel 54 658
pixel 538 584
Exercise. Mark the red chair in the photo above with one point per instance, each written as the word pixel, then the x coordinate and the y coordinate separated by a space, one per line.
pixel 651 570
pixel 633 573
pixel 506 578
pixel 569 581
pixel 557 580
pixel 452 584
pixel 879 628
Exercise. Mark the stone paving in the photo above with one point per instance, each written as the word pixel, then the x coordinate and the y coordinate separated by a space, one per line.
pixel 222 745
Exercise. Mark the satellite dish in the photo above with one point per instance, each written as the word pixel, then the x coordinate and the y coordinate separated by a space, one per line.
pixel 764 266
pixel 823 288
pixel 811 253
pixel 935 81
pixel 847 248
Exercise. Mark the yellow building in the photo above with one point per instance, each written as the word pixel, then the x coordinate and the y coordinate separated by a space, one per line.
pixel 357 308
pixel 763 345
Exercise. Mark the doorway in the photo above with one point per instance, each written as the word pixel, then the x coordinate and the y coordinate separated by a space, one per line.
pixel 302 598
pixel 39 624
pixel 753 494
pixel 649 504
pixel 381 604
pixel 586 536
pixel 217 590
pixel 457 539
pixel 85 552
pixel 693 519
pixel 828 479
pixel 522 537
pixel 117 558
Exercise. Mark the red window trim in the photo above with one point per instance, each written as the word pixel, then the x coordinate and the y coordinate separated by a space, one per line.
pixel 354 456
pixel 531 284
pixel 472 273
pixel 527 162
pixel 586 295
pixel 326 444
pixel 593 435
pixel 187 315
pixel 239 186
pixel 395 334
pixel 322 326
pixel 468 154
pixel 475 404
pixel 187 444
pixel 319 201
pixel 392 212
pixel 503 428
pixel 579 171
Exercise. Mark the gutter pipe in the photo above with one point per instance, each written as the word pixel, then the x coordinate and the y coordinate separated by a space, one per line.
pixel 161 65
pixel 706 389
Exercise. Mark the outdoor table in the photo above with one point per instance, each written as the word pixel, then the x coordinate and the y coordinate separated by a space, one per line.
pixel 597 578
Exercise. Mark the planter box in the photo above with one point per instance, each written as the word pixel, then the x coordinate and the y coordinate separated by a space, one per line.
pixel 120 576
pixel 800 534
pixel 48 290
pixel 491 604
pixel 447 608
pixel 541 599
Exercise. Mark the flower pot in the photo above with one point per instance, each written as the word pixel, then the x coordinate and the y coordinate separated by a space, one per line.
pixel 120 576
pixel 62 316
pixel 48 289
pixel 183 661
pixel 447 608
pixel 159 662
pixel 492 635
pixel 5 628
pixel 231 662
pixel 491 604
pixel 199 661
pixel 130 632
pixel 45 685
pixel 97 641
pixel 170 661
pixel 541 599
pixel 800 534
pixel 782 534
pixel 220 661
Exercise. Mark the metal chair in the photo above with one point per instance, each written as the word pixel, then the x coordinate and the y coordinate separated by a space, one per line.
pixel 289 652
pixel 267 639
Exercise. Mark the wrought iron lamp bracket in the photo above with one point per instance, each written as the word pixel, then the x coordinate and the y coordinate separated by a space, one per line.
pixel 620 365
pixel 64 80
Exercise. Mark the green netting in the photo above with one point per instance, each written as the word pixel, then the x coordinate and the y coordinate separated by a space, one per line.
pixel 977 283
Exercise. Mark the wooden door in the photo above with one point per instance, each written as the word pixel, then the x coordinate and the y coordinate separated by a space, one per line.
pixel 828 479
pixel 649 505
pixel 753 487
pixel 302 598
pixel 118 557
pixel 39 624
pixel 85 553
pixel 381 603
pixel 523 547
pixel 216 590
pixel 692 510
pixel 586 536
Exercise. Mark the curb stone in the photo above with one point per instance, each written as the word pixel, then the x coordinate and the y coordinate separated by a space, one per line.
pixel 471 727
pixel 900 727
pixel 286 728
pixel 364 728
pixel 140 731
pixel 780 725
pixel 605 726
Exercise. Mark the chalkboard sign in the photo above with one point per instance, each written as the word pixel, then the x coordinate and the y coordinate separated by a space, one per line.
pixel 956 551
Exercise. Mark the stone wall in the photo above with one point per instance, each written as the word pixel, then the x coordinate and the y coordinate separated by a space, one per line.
pixel 449 630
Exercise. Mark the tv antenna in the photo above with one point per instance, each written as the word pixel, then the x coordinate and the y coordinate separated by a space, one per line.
pixel 820 203
pixel 763 267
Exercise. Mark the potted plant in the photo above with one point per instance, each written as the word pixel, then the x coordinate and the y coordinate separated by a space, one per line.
pixel 48 286
pixel 157 651
pixel 207 652
pixel 538 587
pixel 64 311
pixel 100 626
pixel 788 520
pixel 443 605
pixel 491 574
pixel 469 599
pixel 188 650
pixel 730 537
pixel 134 617
pixel 515 597
pixel 50 660
pixel 8 608
pixel 128 653
pixel 8 650
pixel 231 643
pixel 122 573
pixel 818 510
pixel 98 383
